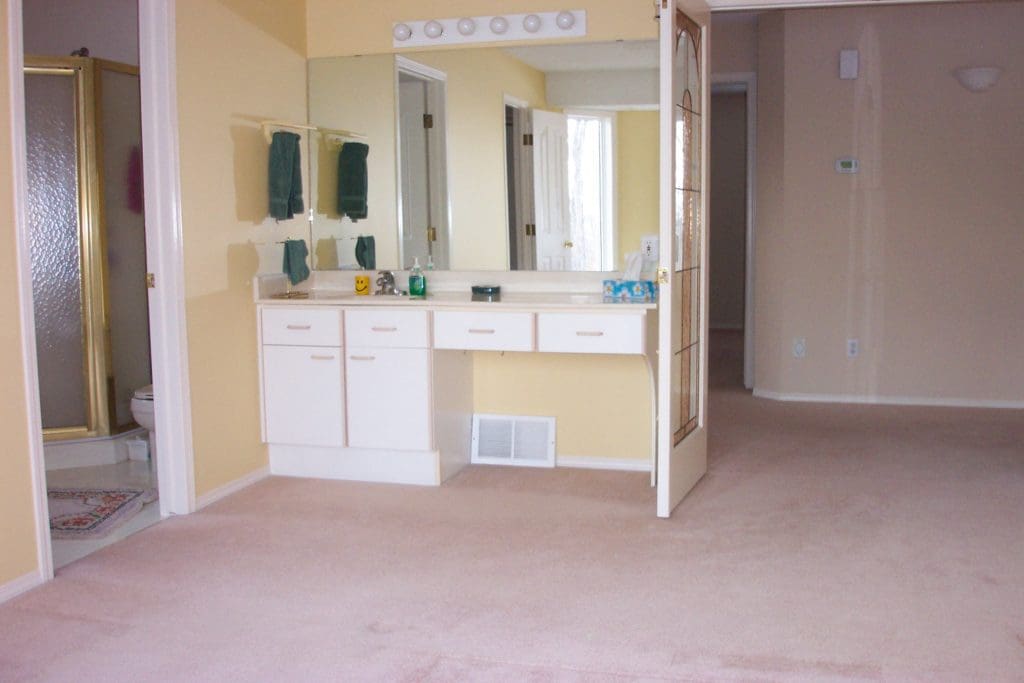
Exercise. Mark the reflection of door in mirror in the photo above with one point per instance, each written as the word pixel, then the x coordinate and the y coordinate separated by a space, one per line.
pixel 421 127
pixel 566 167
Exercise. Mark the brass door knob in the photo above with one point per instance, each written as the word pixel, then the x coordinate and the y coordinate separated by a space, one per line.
pixel 567 244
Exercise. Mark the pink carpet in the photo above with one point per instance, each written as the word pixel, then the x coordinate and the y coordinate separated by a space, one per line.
pixel 827 543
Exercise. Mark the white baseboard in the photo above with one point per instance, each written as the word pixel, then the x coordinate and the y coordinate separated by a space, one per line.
pixel 592 463
pixel 232 487
pixel 22 584
pixel 889 400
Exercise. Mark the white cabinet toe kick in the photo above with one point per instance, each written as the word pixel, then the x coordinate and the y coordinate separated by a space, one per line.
pixel 376 394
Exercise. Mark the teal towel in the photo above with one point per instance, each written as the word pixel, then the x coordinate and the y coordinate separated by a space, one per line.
pixel 352 180
pixel 295 267
pixel 366 252
pixel 285 175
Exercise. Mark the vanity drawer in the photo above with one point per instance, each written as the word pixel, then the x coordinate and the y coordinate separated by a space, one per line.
pixel 296 326
pixel 590 333
pixel 387 328
pixel 479 331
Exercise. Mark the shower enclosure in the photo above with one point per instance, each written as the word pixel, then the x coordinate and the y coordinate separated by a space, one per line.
pixel 87 242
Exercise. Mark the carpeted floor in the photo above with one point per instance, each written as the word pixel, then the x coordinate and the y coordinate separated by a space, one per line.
pixel 826 543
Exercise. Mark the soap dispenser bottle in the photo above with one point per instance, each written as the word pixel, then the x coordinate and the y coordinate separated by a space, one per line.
pixel 417 282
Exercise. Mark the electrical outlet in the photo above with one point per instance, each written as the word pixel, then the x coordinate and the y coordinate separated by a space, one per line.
pixel 649 246
pixel 799 347
pixel 852 347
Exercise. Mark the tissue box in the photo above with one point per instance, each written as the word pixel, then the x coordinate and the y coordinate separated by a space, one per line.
pixel 641 291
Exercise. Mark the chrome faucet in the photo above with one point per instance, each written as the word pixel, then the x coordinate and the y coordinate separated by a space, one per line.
pixel 386 283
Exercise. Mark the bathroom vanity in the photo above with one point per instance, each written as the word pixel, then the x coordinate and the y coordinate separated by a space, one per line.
pixel 380 388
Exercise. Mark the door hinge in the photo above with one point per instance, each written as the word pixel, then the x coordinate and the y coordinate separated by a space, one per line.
pixel 431 234
pixel 662 276
pixel 428 120
pixel 531 230
pixel 150 280
pixel 528 139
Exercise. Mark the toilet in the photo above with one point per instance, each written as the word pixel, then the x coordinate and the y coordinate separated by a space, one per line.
pixel 142 411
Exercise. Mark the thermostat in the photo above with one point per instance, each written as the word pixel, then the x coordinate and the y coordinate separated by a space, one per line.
pixel 847 165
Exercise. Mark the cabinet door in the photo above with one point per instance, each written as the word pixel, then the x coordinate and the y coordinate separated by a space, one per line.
pixel 303 393
pixel 388 394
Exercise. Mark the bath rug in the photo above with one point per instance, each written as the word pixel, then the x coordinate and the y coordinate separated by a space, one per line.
pixel 79 513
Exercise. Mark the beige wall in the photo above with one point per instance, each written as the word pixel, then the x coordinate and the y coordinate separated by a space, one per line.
pixel 733 43
pixel 637 178
pixel 601 404
pixel 728 224
pixel 238 63
pixel 364 26
pixel 17 517
pixel 920 254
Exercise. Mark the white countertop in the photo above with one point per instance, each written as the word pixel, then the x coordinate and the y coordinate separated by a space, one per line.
pixel 531 300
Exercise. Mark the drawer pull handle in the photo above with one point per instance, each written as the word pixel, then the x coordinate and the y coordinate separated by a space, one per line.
pixel 384 329
pixel 316 357
pixel 299 327
pixel 585 333
pixel 481 331
pixel 362 358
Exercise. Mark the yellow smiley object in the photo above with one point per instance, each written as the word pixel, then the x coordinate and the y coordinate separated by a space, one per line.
pixel 362 284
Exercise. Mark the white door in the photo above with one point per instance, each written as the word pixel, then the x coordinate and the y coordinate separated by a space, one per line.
pixel 682 297
pixel 388 398
pixel 303 394
pixel 551 190
pixel 414 166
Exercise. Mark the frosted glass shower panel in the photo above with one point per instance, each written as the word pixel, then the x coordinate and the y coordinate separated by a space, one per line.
pixel 121 158
pixel 55 245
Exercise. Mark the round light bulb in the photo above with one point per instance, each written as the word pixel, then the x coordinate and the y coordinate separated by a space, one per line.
pixel 402 32
pixel 499 25
pixel 466 26
pixel 433 29
pixel 565 20
pixel 531 22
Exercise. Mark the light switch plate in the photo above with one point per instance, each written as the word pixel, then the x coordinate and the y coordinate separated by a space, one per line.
pixel 849 64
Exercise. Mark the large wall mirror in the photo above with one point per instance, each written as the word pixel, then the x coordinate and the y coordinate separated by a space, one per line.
pixel 528 158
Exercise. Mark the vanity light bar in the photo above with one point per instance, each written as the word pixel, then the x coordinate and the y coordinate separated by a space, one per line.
pixel 490 28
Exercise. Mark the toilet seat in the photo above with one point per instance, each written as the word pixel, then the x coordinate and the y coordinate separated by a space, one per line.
pixel 145 393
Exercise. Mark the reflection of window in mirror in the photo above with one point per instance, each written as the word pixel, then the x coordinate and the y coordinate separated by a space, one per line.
pixel 591 189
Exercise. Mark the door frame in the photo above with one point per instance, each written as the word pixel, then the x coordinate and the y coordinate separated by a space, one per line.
pixel 165 258
pixel 746 82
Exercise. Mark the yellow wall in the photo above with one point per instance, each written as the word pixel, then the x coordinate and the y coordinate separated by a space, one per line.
pixel 364 26
pixel 601 403
pixel 637 178
pixel 358 94
pixel 238 63
pixel 17 517
pixel 920 254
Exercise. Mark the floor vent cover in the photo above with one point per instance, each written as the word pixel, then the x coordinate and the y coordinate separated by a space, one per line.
pixel 522 440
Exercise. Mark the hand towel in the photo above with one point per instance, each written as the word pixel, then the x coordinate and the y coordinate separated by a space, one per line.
pixel 352 180
pixel 285 175
pixel 366 252
pixel 295 267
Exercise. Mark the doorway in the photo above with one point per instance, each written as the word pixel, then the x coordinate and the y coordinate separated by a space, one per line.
pixel 153 26
pixel 423 202
pixel 731 293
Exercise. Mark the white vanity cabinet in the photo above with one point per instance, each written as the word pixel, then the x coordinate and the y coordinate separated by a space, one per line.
pixel 387 364
pixel 303 376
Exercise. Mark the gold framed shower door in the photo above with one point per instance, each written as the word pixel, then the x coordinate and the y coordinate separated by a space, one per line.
pixel 100 409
